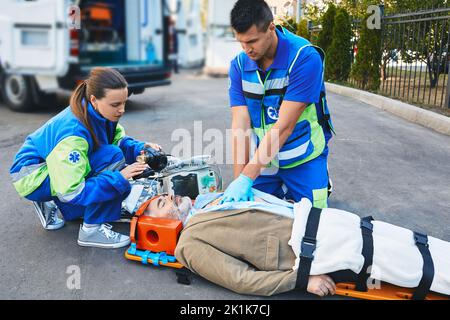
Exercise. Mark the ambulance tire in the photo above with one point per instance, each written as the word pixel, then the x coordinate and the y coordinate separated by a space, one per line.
pixel 16 91
pixel 42 99
pixel 46 100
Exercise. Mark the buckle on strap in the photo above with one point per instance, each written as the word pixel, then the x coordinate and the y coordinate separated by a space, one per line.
pixel 421 239
pixel 367 224
pixel 308 247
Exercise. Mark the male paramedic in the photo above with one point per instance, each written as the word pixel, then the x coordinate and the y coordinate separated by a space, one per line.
pixel 277 91
pixel 254 247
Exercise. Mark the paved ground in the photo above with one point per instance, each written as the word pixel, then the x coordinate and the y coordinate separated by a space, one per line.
pixel 381 166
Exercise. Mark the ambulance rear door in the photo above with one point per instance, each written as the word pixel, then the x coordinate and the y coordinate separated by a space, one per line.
pixel 34 36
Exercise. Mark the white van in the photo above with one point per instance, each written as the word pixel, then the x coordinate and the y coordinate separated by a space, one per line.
pixel 48 45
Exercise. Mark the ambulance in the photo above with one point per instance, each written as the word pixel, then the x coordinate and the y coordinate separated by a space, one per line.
pixel 51 45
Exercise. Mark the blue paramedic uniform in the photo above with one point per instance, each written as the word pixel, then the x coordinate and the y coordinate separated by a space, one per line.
pixel 296 74
pixel 57 162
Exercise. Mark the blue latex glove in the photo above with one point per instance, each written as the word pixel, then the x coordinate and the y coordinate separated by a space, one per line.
pixel 239 190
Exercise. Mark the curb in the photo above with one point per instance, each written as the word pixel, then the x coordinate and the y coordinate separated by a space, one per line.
pixel 403 110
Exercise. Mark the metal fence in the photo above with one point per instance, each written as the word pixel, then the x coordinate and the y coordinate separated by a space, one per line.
pixel 415 57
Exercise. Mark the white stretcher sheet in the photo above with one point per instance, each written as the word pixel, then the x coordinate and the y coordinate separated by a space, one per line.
pixel 396 260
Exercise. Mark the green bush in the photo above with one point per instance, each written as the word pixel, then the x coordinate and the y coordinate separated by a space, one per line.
pixel 326 35
pixel 289 24
pixel 300 29
pixel 366 69
pixel 339 56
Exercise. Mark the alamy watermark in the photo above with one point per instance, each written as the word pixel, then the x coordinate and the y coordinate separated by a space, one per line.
pixel 374 20
pixel 236 146
pixel 74 18
pixel 74 279
pixel 372 282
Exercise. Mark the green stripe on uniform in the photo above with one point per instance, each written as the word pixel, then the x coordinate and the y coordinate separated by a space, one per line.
pixel 320 198
pixel 29 183
pixel 68 165
pixel 119 135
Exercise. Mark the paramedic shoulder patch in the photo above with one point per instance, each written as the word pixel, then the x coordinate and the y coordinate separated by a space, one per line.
pixel 74 157
pixel 272 113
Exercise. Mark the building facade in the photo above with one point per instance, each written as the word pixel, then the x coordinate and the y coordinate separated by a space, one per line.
pixel 282 8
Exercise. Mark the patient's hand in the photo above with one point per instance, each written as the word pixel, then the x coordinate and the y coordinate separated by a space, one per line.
pixel 321 285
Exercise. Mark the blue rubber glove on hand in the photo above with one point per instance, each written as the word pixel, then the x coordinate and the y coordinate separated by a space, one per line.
pixel 239 190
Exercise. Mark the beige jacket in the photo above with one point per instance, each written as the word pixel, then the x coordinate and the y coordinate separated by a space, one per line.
pixel 238 251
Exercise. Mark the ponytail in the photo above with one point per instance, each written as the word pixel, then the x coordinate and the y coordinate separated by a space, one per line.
pixel 78 104
pixel 100 80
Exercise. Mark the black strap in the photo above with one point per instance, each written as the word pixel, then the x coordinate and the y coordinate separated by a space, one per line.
pixel 325 118
pixel 308 246
pixel 183 276
pixel 367 252
pixel 422 290
pixel 323 121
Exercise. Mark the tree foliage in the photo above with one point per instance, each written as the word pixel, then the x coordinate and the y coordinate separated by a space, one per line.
pixel 366 69
pixel 326 35
pixel 408 42
pixel 339 55
pixel 300 29
pixel 423 41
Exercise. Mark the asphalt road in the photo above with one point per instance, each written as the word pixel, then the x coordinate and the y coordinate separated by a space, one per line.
pixel 380 165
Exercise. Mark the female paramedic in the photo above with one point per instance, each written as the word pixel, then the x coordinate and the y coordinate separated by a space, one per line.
pixel 80 161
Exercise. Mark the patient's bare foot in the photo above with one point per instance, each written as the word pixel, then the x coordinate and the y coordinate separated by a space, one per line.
pixel 321 285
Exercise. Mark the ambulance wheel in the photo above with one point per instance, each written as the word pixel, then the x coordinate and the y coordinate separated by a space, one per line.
pixel 17 92
pixel 46 100
pixel 41 98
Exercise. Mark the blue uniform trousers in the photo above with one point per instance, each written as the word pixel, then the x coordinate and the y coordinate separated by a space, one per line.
pixel 308 180
pixel 100 160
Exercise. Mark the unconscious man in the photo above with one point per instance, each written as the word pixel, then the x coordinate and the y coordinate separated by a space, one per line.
pixel 253 247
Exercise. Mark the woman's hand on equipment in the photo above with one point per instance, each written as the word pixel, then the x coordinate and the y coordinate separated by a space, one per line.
pixel 133 170
pixel 153 145
pixel 321 285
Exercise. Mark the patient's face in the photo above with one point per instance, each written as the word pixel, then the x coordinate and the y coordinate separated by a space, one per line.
pixel 169 207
